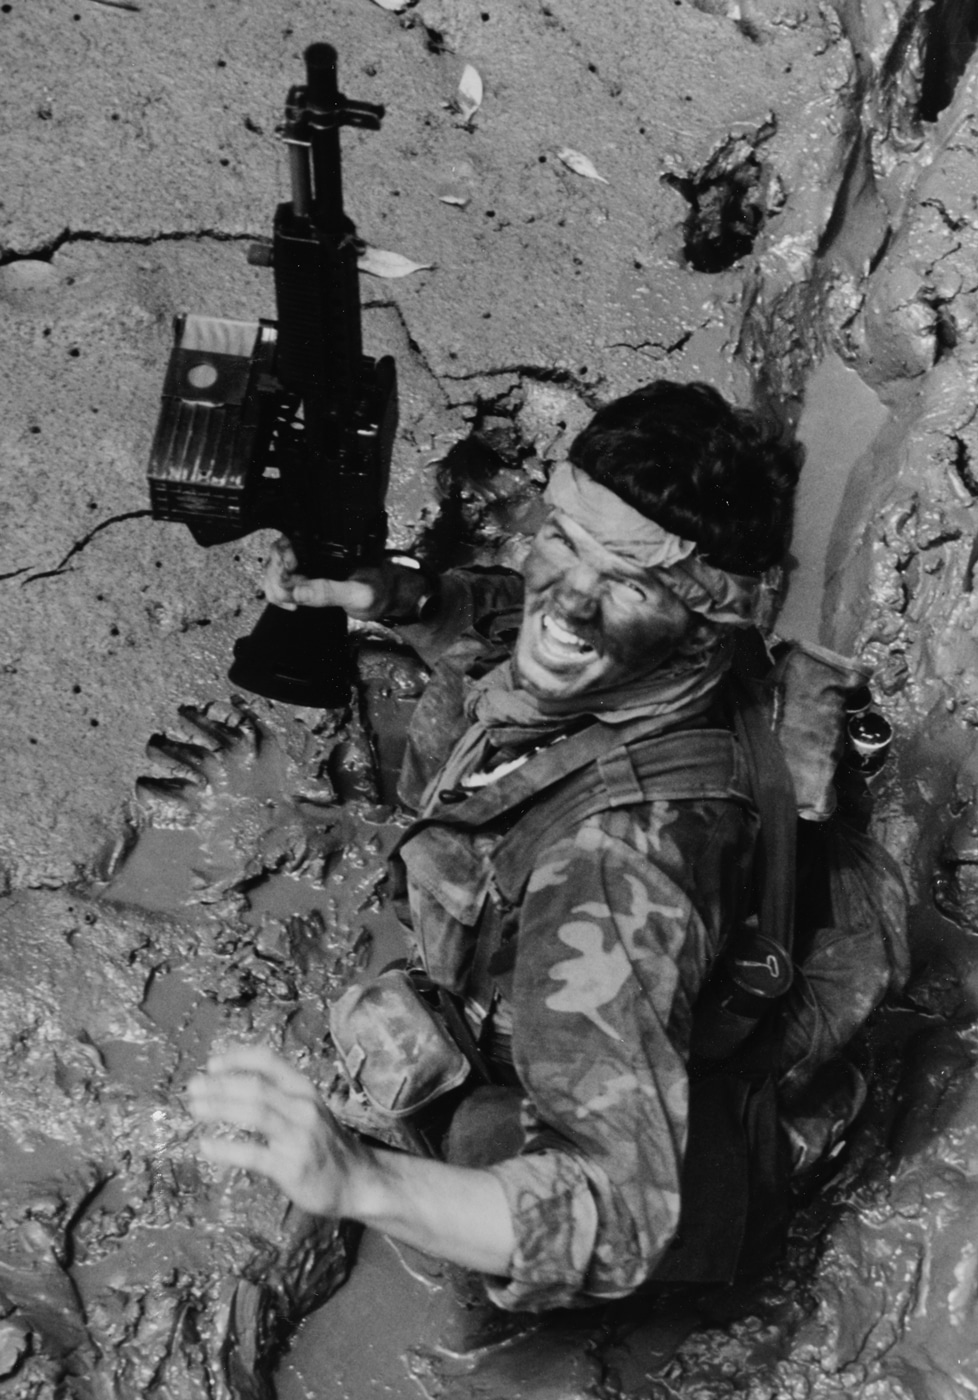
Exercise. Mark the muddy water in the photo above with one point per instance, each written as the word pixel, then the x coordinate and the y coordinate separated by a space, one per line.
pixel 266 842
pixel 395 1331
pixel 840 418
pixel 360 1345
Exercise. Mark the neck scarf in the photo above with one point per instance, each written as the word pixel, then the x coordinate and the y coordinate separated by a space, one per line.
pixel 673 694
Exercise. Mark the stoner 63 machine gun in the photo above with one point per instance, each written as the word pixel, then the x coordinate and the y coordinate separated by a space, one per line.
pixel 288 424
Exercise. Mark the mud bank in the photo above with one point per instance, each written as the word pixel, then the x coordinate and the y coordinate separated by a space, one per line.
pixel 785 207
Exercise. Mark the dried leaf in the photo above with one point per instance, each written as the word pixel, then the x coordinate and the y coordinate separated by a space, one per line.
pixel 579 164
pixel 381 263
pixel 469 96
pixel 454 194
pixel 395 6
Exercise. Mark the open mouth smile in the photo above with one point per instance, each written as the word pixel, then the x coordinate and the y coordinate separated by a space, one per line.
pixel 562 640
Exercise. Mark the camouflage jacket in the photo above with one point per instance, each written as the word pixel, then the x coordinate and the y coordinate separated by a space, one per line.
pixel 619 925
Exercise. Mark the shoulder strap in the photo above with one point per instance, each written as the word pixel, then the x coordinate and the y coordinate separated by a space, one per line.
pixel 774 796
pixel 525 789
pixel 687 765
pixel 556 790
pixel 683 766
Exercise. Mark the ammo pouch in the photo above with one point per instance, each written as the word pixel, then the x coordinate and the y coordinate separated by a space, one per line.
pixel 393 1044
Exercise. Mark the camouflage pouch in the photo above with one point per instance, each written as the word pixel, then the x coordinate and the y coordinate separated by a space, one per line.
pixel 393 1046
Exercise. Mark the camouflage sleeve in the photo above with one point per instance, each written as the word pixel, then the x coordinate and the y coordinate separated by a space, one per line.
pixel 612 950
pixel 467 596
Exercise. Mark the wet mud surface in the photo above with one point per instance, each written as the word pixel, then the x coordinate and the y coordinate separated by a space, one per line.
pixel 127 1268
pixel 786 207
pixel 247 892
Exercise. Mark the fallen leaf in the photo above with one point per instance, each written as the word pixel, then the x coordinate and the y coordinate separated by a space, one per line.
pixel 469 96
pixel 579 164
pixel 454 194
pixel 380 263
pixel 395 6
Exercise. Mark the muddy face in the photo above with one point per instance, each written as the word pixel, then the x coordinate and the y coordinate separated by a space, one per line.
pixel 591 619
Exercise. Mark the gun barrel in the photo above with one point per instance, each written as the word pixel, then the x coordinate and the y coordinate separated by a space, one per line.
pixel 325 114
pixel 321 76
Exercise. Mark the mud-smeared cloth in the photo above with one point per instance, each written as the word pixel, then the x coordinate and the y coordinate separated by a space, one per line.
pixel 619 926
pixel 393 1047
pixel 714 593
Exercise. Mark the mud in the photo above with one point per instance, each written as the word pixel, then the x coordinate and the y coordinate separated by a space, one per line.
pixel 241 898
pixel 840 419
pixel 789 212
pixel 127 1269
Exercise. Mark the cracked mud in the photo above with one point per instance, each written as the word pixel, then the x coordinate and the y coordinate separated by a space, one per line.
pixel 789 201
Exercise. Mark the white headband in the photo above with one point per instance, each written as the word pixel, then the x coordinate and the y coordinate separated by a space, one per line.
pixel 712 592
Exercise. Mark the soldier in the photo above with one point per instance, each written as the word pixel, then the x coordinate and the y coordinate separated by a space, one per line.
pixel 560 1182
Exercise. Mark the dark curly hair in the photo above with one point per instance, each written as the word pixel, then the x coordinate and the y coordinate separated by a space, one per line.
pixel 681 455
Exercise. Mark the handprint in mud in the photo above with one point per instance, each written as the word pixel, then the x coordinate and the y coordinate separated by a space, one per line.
pixel 248 800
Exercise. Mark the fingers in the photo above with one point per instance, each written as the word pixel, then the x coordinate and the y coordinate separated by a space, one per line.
pixel 357 595
pixel 287 588
pixel 295 1143
pixel 367 595
pixel 303 1180
pixel 260 1060
pixel 251 1088
pixel 232 1152
pixel 280 574
pixel 239 1101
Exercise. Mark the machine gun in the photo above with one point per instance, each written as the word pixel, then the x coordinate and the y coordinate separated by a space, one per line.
pixel 287 424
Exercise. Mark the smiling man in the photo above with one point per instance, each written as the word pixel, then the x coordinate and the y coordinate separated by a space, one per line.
pixel 591 616
pixel 568 895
